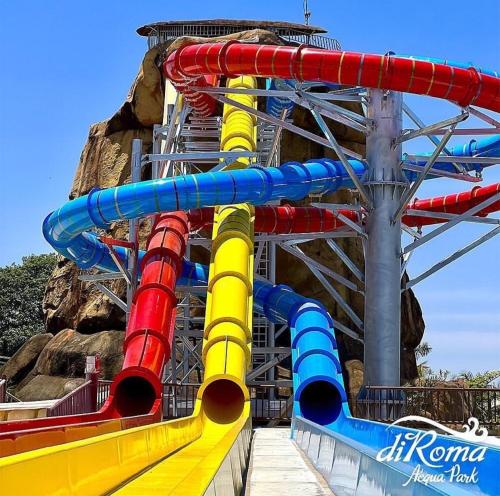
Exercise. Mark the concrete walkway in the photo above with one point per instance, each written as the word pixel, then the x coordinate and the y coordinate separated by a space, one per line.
pixel 278 468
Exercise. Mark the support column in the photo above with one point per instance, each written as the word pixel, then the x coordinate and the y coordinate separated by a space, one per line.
pixel 133 224
pixel 385 183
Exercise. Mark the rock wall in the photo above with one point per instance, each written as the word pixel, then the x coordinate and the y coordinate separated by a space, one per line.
pixel 105 162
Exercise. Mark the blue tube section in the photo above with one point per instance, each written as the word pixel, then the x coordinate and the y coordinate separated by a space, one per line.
pixel 451 63
pixel 67 229
pixel 487 147
pixel 275 104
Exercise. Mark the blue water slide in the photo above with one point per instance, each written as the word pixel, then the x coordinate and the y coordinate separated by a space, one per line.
pixel 67 229
pixel 320 397
pixel 275 105
pixel 451 63
pixel 486 147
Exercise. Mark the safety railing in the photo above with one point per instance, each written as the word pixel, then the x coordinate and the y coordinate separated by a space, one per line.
pixel 266 401
pixel 5 396
pixel 80 400
pixel 103 389
pixel 315 40
pixel 166 34
pixel 448 406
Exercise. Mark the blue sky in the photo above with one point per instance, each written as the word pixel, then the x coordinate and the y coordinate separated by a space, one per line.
pixel 66 65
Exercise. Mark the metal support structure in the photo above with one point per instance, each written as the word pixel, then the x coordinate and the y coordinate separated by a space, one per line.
pixel 452 257
pixel 133 224
pixel 340 153
pixel 346 259
pixel 385 184
pixel 433 128
pixel 414 117
pixel 445 227
pixel 408 195
pixel 112 296
pixel 285 125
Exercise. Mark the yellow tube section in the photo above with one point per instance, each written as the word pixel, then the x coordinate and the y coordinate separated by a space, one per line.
pixel 239 128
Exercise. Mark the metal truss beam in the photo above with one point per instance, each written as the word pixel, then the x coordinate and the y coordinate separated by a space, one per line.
pixel 408 195
pixel 284 238
pixel 338 298
pixel 444 215
pixel 330 110
pixel 193 156
pixel 121 266
pixel 103 276
pixel 453 257
pixel 317 265
pixel 269 350
pixel 286 125
pixel 114 298
pixel 340 153
pixel 343 97
pixel 439 173
pixel 453 222
pixel 276 140
pixel 414 117
pixel 267 365
pixel 345 258
pixel 481 131
pixel 484 117
pixel 432 129
pixel 463 160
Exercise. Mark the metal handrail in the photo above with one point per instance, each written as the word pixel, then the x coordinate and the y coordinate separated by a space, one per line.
pixel 10 398
pixel 447 405
pixel 179 401
pixel 72 402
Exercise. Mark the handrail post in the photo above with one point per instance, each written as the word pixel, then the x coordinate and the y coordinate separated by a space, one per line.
pixel 92 372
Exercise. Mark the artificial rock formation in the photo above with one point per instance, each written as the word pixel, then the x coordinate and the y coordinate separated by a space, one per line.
pixel 23 361
pixel 105 162
pixel 61 363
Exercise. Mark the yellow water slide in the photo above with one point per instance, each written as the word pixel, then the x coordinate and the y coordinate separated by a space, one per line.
pixel 205 452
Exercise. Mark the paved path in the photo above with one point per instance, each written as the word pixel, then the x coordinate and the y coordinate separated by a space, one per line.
pixel 278 468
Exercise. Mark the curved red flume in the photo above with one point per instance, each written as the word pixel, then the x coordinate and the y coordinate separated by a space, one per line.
pixel 189 65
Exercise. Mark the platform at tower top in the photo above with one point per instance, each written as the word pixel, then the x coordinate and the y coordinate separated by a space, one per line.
pixel 164 31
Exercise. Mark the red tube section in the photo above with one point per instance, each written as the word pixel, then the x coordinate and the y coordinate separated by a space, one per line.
pixel 188 66
pixel 457 203
pixel 283 219
pixel 136 390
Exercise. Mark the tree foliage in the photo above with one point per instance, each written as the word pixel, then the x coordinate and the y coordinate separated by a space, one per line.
pixel 21 292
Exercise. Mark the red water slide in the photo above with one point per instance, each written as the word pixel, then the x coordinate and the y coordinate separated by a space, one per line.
pixel 136 390
pixel 188 67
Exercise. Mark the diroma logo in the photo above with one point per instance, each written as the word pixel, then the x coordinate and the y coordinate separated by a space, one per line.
pixel 438 458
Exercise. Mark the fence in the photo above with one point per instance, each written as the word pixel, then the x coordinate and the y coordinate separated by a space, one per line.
pixel 168 33
pixel 267 403
pixel 449 406
pixel 103 389
pixel 80 400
